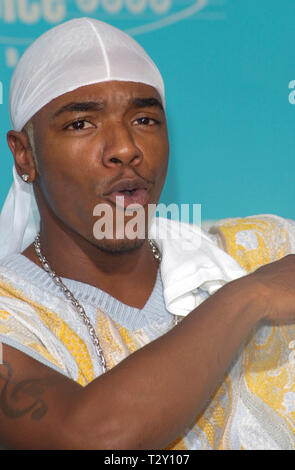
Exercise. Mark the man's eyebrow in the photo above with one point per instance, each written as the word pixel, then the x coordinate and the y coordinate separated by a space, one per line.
pixel 98 106
pixel 147 103
pixel 76 106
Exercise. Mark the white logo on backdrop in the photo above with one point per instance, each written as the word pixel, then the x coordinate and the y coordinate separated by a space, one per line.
pixel 133 6
pixel 149 15
pixel 169 19
pixel 159 13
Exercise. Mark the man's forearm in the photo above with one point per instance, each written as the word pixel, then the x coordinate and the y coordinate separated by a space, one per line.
pixel 152 396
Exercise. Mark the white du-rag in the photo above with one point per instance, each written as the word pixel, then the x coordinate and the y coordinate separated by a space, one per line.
pixel 82 52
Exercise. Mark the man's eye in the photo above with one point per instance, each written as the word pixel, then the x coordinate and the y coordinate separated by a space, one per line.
pixel 146 121
pixel 79 125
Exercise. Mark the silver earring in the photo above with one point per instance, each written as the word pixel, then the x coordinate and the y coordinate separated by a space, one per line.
pixel 25 177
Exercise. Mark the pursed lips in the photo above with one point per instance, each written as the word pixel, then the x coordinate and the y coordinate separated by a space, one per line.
pixel 128 191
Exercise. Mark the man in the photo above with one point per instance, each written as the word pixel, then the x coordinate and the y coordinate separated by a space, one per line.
pixel 87 107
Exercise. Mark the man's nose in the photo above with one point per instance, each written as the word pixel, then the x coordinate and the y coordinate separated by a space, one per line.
pixel 120 147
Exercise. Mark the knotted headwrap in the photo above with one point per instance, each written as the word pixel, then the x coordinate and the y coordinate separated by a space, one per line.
pixel 77 53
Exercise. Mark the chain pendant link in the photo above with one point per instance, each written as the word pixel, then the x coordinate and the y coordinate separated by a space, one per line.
pixel 74 302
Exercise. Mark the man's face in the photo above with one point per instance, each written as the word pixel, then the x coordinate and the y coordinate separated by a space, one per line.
pixel 96 143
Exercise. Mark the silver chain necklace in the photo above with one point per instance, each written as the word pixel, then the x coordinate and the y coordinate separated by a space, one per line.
pixel 79 308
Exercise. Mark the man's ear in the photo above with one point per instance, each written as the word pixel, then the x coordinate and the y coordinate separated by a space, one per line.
pixel 20 147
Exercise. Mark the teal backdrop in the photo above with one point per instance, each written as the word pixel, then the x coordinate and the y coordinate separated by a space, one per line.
pixel 229 69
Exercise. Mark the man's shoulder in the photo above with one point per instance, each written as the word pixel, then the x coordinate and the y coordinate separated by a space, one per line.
pixel 255 240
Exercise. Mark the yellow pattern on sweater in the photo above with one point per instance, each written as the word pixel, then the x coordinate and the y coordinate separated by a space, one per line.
pixel 268 374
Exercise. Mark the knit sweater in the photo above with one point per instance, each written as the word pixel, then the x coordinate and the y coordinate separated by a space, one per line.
pixel 153 318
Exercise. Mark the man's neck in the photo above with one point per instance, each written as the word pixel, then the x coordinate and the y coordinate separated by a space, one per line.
pixel 128 276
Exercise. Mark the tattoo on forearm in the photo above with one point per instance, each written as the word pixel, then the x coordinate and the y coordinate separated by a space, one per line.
pixel 13 392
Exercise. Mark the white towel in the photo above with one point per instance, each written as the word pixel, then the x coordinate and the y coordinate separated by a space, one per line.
pixel 191 260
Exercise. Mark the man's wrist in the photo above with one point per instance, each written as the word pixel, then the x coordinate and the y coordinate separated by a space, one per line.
pixel 250 297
